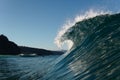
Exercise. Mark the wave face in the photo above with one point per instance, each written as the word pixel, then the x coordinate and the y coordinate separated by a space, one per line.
pixel 95 54
pixel 60 40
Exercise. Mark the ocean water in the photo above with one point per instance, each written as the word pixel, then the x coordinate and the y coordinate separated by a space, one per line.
pixel 24 68
pixel 95 55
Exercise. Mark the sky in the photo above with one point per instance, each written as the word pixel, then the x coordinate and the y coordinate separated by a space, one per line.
pixel 36 23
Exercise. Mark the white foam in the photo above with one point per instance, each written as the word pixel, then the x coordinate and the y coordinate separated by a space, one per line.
pixel 88 14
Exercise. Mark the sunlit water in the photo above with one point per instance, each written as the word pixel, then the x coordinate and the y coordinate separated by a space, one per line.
pixel 24 68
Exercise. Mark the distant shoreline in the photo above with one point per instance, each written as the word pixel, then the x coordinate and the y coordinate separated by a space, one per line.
pixel 42 52
pixel 8 47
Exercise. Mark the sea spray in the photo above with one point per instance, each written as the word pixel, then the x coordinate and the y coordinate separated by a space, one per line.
pixel 95 53
pixel 60 41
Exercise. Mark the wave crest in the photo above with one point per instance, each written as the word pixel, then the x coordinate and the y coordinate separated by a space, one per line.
pixel 60 40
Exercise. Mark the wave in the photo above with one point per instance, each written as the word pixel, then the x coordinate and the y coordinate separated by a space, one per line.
pixel 60 40
pixel 95 53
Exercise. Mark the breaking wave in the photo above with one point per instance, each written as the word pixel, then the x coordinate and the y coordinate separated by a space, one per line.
pixel 95 53
pixel 60 40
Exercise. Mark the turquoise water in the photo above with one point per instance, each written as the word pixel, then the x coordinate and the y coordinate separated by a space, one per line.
pixel 24 68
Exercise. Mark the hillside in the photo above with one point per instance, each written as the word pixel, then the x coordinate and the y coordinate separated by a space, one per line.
pixel 8 47
pixel 29 50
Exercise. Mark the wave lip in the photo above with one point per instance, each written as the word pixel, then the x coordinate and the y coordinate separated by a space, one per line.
pixel 61 39
pixel 95 54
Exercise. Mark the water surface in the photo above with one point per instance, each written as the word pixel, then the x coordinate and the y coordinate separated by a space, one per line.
pixel 24 68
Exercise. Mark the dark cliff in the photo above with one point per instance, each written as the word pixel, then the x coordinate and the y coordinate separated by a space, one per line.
pixel 8 47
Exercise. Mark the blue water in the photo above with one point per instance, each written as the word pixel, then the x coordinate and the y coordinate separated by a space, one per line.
pixel 95 55
pixel 24 68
